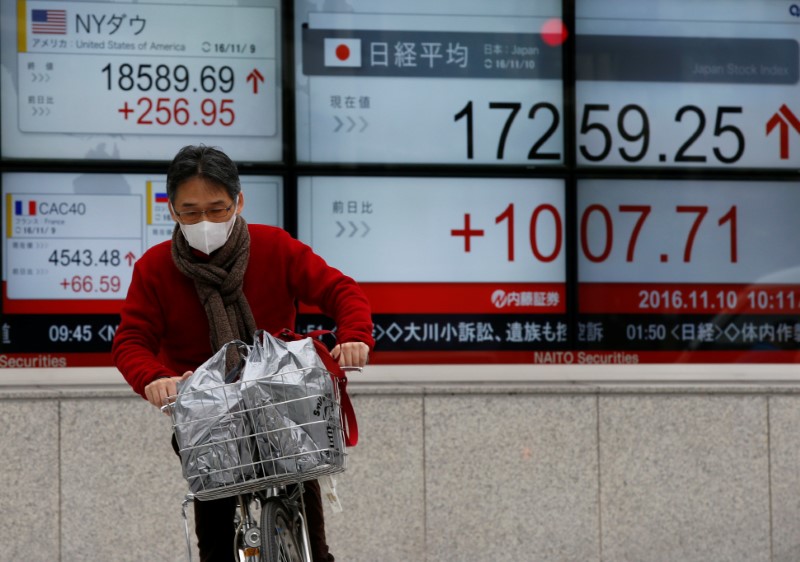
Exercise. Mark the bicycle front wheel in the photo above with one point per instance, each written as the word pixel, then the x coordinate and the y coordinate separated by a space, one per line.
pixel 281 534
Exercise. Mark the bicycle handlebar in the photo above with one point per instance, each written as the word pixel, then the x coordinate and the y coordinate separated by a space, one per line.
pixel 166 408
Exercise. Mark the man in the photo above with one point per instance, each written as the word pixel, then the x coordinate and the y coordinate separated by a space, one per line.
pixel 220 279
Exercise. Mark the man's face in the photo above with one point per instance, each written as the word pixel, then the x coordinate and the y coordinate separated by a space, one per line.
pixel 198 199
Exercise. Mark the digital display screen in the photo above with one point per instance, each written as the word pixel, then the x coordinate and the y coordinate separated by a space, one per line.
pixel 701 84
pixel 473 267
pixel 133 81
pixel 422 82
pixel 568 182
pixel 69 245
pixel 668 267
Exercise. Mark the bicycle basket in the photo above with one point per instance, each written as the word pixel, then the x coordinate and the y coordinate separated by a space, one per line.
pixel 259 432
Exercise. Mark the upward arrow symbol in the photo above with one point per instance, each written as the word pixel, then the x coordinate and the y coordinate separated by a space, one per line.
pixel 255 76
pixel 782 119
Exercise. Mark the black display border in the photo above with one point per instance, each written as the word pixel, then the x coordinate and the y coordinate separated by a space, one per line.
pixel 289 169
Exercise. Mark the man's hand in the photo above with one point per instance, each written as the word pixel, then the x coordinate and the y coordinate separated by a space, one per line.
pixel 159 391
pixel 351 354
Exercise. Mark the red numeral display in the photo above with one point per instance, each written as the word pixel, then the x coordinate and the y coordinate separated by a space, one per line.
pixel 90 284
pixel 168 111
pixel 598 250
pixel 545 218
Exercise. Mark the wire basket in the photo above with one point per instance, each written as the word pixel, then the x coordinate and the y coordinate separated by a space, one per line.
pixel 254 434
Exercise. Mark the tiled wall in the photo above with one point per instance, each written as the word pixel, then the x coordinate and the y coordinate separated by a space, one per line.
pixel 579 473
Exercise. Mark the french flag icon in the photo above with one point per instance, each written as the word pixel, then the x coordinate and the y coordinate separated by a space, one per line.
pixel 25 208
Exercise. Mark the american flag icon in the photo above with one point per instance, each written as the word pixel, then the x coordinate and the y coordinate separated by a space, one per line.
pixel 49 22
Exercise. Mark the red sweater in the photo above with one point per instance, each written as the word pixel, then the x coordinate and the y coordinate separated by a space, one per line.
pixel 164 330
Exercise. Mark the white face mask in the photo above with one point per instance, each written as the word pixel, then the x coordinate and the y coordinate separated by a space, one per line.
pixel 208 236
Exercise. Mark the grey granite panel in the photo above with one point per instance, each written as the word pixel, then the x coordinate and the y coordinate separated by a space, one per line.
pixel 511 478
pixel 508 473
pixel 29 468
pixel 382 490
pixel 784 418
pixel 121 483
pixel 684 478
pixel 638 385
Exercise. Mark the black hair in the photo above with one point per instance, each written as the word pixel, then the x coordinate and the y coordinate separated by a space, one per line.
pixel 206 162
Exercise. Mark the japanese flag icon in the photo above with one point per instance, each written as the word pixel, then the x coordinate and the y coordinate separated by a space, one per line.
pixel 342 52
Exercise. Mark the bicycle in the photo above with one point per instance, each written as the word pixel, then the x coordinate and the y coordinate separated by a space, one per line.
pixel 259 440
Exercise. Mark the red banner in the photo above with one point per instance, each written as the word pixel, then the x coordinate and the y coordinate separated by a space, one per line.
pixel 463 298
pixel 54 360
pixel 680 298
pixel 582 357
pixel 60 306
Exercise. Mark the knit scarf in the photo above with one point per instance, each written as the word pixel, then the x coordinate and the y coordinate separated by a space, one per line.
pixel 218 281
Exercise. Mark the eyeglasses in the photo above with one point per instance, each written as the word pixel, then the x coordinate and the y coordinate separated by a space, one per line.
pixel 214 215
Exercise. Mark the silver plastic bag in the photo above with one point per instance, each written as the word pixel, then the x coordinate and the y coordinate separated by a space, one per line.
pixel 213 427
pixel 290 395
